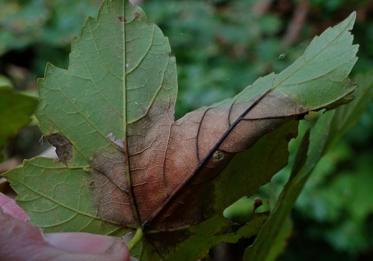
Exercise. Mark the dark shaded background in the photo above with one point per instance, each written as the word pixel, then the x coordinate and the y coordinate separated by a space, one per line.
pixel 221 47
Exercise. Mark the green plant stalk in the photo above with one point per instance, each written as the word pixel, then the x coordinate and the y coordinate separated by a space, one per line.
pixel 136 239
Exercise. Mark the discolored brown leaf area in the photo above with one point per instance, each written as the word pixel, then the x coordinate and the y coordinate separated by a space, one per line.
pixel 63 146
pixel 129 164
pixel 172 162
pixel 125 162
pixel 113 109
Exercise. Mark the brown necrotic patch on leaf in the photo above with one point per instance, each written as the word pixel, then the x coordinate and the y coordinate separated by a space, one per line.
pixel 168 174
pixel 172 165
pixel 64 148
pixel 165 174
pixel 203 143
pixel 110 187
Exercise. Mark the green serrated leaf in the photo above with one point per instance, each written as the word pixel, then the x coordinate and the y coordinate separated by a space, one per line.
pixel 111 113
pixel 314 140
pixel 119 67
pixel 311 144
pixel 57 197
pixel 115 74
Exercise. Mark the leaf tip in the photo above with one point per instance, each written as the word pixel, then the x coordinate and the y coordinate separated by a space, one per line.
pixel 349 22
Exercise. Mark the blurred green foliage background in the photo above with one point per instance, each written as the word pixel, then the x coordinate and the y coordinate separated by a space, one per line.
pixel 222 46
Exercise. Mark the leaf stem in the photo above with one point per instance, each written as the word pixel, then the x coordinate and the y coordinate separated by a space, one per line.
pixel 136 238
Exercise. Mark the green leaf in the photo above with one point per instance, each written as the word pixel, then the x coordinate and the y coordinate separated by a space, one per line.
pixel 300 169
pixel 15 110
pixel 310 146
pixel 343 200
pixel 348 115
pixel 110 115
pixel 60 200
pixel 4 82
pixel 106 87
pixel 280 241
pixel 194 242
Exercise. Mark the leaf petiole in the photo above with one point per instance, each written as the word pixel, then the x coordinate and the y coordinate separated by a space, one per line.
pixel 136 239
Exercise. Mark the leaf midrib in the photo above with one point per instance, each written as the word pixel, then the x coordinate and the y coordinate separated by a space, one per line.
pixel 127 172
pixel 198 168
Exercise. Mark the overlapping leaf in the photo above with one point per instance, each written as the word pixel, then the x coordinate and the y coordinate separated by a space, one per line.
pixel 307 150
pixel 126 163
pixel 15 110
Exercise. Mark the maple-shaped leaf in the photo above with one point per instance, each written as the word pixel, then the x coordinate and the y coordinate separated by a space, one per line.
pixel 124 162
